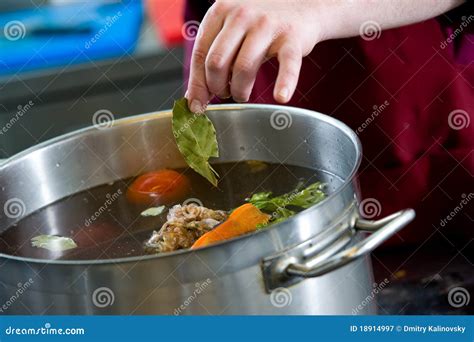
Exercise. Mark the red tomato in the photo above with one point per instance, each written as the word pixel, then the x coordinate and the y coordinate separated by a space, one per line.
pixel 159 187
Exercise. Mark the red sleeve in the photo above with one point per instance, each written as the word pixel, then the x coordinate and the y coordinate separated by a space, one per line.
pixel 458 29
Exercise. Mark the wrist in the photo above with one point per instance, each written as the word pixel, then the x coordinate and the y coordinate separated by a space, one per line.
pixel 326 19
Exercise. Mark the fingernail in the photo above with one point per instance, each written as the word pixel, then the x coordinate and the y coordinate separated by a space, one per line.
pixel 284 93
pixel 225 96
pixel 240 100
pixel 224 93
pixel 196 106
pixel 186 94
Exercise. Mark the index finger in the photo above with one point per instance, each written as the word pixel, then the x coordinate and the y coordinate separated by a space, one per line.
pixel 198 93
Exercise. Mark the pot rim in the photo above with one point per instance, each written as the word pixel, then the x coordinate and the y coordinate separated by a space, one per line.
pixel 167 113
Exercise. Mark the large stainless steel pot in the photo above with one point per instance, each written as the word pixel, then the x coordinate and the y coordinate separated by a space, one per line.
pixel 314 263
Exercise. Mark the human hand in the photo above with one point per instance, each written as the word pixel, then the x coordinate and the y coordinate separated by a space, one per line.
pixel 236 37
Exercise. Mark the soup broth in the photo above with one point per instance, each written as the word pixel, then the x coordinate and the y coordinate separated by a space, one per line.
pixel 104 224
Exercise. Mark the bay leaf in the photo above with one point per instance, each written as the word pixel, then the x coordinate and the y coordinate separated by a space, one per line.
pixel 196 138
pixel 53 243
pixel 154 211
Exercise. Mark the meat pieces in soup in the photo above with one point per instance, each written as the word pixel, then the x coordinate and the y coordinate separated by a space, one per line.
pixel 251 196
pixel 192 226
pixel 185 224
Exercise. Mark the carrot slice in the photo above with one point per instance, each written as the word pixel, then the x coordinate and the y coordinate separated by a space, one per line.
pixel 243 220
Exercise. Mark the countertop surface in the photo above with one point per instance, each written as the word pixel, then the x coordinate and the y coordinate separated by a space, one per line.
pixel 433 278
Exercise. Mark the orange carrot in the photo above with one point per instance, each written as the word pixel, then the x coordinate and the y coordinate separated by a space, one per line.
pixel 243 220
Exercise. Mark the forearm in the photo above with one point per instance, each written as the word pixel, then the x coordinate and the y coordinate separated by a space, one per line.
pixel 342 18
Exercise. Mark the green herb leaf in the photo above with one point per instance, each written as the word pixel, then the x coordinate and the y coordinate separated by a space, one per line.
pixel 281 207
pixel 53 242
pixel 196 138
pixel 307 197
pixel 155 211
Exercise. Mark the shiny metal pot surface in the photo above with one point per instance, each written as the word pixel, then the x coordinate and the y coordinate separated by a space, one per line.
pixel 314 263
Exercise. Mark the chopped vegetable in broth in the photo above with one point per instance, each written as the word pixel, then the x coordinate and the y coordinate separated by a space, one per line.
pixel 165 210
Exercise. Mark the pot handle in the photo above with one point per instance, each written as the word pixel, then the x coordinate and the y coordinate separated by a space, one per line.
pixel 381 230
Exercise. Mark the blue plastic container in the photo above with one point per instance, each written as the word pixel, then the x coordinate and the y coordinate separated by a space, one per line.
pixel 54 36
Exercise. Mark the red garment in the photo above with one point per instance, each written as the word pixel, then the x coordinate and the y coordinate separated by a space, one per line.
pixel 415 153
